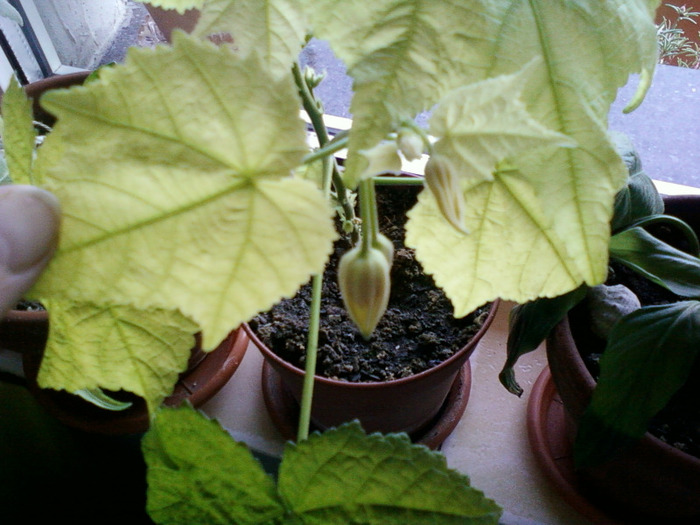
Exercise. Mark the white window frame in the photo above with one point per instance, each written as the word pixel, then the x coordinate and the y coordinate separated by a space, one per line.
pixel 33 67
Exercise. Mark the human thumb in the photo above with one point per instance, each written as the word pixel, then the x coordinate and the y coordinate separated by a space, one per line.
pixel 29 223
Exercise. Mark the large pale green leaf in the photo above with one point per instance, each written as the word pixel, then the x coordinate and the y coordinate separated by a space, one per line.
pixel 511 250
pixel 198 474
pixel 481 124
pixel 344 476
pixel 18 134
pixel 275 29
pixel 115 348
pixel 540 228
pixel 403 56
pixel 185 201
pixel 650 355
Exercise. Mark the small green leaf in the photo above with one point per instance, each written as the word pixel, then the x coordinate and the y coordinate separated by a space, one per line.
pixel 273 29
pixel 529 326
pixel 657 261
pixel 18 134
pixel 344 476
pixel 197 474
pixel 99 397
pixel 650 355
pixel 638 199
pixel 115 347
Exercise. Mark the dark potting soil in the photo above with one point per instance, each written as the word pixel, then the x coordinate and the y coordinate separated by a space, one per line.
pixel 678 424
pixel 417 331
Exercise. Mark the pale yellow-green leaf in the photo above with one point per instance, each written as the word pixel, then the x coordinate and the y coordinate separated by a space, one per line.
pixel 403 56
pixel 275 29
pixel 186 201
pixel 511 252
pixel 561 210
pixel 18 134
pixel 116 348
pixel 179 5
pixel 481 124
pixel 381 159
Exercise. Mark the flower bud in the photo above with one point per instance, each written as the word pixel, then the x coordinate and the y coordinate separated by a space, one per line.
pixel 443 183
pixel 312 78
pixel 365 286
pixel 410 144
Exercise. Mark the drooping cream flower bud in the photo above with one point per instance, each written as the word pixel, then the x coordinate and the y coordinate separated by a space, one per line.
pixel 443 183
pixel 365 285
pixel 410 143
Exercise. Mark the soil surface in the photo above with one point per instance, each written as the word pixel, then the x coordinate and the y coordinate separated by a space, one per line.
pixel 678 424
pixel 417 331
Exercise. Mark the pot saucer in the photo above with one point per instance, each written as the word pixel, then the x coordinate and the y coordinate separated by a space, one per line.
pixel 284 410
pixel 552 449
pixel 196 385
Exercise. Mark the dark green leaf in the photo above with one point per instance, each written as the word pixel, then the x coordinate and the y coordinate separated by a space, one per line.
pixel 344 476
pixel 530 324
pixel 198 474
pixel 657 261
pixel 649 356
pixel 673 222
pixel 635 201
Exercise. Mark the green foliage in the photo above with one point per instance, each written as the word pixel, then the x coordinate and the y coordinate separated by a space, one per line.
pixel 657 261
pixel 19 135
pixel 649 356
pixel 174 168
pixel 529 326
pixel 676 47
pixel 197 474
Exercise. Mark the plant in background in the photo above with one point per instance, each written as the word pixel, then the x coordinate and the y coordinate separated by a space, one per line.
pixel 675 47
pixel 182 212
pixel 650 351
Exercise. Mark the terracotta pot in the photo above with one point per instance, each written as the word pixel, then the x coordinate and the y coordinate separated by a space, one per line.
pixel 168 19
pixel 651 480
pixel 403 405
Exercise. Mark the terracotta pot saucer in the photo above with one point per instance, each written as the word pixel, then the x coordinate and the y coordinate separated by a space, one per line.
pixel 553 451
pixel 284 410
pixel 197 385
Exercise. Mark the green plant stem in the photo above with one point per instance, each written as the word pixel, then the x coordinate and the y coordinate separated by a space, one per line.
pixel 368 211
pixel 311 355
pixel 315 114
